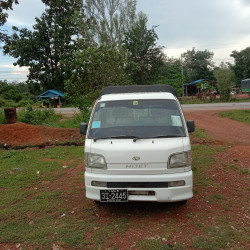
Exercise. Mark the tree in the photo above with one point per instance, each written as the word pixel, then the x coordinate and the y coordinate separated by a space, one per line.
pixel 241 64
pixel 170 73
pixel 94 69
pixel 225 78
pixel 110 20
pixel 143 55
pixel 5 5
pixel 53 39
pixel 197 65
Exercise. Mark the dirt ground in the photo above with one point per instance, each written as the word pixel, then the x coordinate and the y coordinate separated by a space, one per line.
pixel 199 210
pixel 21 134
pixel 221 129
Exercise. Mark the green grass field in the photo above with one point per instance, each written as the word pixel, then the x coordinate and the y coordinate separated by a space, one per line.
pixel 237 115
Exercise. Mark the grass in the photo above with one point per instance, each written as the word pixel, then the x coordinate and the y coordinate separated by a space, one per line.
pixel 203 158
pixel 27 212
pixel 32 215
pixel 195 100
pixel 2 117
pixel 40 217
pixel 157 245
pixel 201 134
pixel 73 122
pixel 237 115
pixel 222 236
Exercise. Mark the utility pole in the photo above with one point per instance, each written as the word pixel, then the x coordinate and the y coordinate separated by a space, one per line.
pixel 182 77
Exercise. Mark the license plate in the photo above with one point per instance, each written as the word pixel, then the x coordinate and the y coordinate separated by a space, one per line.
pixel 114 195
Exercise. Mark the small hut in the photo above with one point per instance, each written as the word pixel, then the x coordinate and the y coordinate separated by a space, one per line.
pixel 193 89
pixel 51 98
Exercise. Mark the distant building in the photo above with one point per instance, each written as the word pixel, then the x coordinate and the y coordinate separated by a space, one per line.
pixel 51 98
pixel 245 85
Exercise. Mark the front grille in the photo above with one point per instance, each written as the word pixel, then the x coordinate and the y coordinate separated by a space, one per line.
pixel 137 184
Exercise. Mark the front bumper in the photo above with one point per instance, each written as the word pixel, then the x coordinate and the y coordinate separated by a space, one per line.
pixel 169 194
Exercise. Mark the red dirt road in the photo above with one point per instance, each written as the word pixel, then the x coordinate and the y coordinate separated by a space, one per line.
pixel 21 134
pixel 225 130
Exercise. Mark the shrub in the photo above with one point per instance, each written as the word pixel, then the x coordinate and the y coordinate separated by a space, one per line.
pixel 37 116
pixel 25 103
pixel 2 102
pixel 7 103
pixel 2 117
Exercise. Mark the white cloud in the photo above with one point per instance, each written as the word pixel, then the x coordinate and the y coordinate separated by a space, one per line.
pixel 16 69
pixel 220 26
pixel 24 13
pixel 10 73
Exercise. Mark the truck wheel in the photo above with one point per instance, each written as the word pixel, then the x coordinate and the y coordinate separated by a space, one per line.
pixel 182 202
pixel 97 202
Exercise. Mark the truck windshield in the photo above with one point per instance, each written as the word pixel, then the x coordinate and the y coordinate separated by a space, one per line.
pixel 136 119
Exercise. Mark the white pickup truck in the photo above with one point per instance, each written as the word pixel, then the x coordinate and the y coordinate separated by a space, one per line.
pixel 137 146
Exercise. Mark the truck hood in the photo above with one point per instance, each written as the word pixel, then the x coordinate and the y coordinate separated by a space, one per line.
pixel 145 156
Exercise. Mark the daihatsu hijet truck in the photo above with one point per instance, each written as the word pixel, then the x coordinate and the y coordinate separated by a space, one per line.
pixel 137 146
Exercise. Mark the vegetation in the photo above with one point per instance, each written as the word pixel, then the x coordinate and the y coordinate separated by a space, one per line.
pixel 50 42
pixel 80 49
pixel 5 5
pixel 225 79
pixel 15 94
pixel 237 115
pixel 143 54
pixel 45 117
pixel 241 65
pixel 95 68
pixel 198 65
pixel 200 133
pixel 110 20
pixel 38 210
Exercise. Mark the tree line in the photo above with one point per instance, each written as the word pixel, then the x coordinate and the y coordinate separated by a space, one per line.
pixel 79 47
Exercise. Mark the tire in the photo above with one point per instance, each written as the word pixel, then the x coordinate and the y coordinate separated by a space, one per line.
pixel 184 202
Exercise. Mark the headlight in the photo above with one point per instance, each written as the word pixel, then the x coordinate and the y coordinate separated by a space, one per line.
pixel 180 160
pixel 95 161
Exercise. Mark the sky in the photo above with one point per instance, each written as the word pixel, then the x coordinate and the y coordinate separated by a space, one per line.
pixel 220 26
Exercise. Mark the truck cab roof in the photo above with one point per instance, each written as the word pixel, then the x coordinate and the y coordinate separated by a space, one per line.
pixel 137 96
pixel 155 88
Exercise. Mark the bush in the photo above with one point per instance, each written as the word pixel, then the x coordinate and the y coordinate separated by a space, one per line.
pixel 84 103
pixel 71 122
pixel 25 103
pixel 2 102
pixel 2 117
pixel 37 116
pixel 7 103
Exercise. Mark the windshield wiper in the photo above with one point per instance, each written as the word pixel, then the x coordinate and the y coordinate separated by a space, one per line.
pixel 117 137
pixel 166 136
pixel 135 138
pixel 157 136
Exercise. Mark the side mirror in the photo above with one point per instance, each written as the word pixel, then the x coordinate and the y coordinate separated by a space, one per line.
pixel 190 126
pixel 83 128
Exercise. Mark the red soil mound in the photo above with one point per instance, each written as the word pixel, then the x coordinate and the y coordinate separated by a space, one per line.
pixel 25 134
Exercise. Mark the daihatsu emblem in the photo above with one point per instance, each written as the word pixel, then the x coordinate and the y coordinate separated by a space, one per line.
pixel 136 158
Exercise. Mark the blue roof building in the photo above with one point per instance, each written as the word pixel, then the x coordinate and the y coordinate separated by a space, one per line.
pixel 51 95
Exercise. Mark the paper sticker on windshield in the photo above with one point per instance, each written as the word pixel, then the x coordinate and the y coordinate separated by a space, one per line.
pixel 135 103
pixel 176 120
pixel 96 124
pixel 102 105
